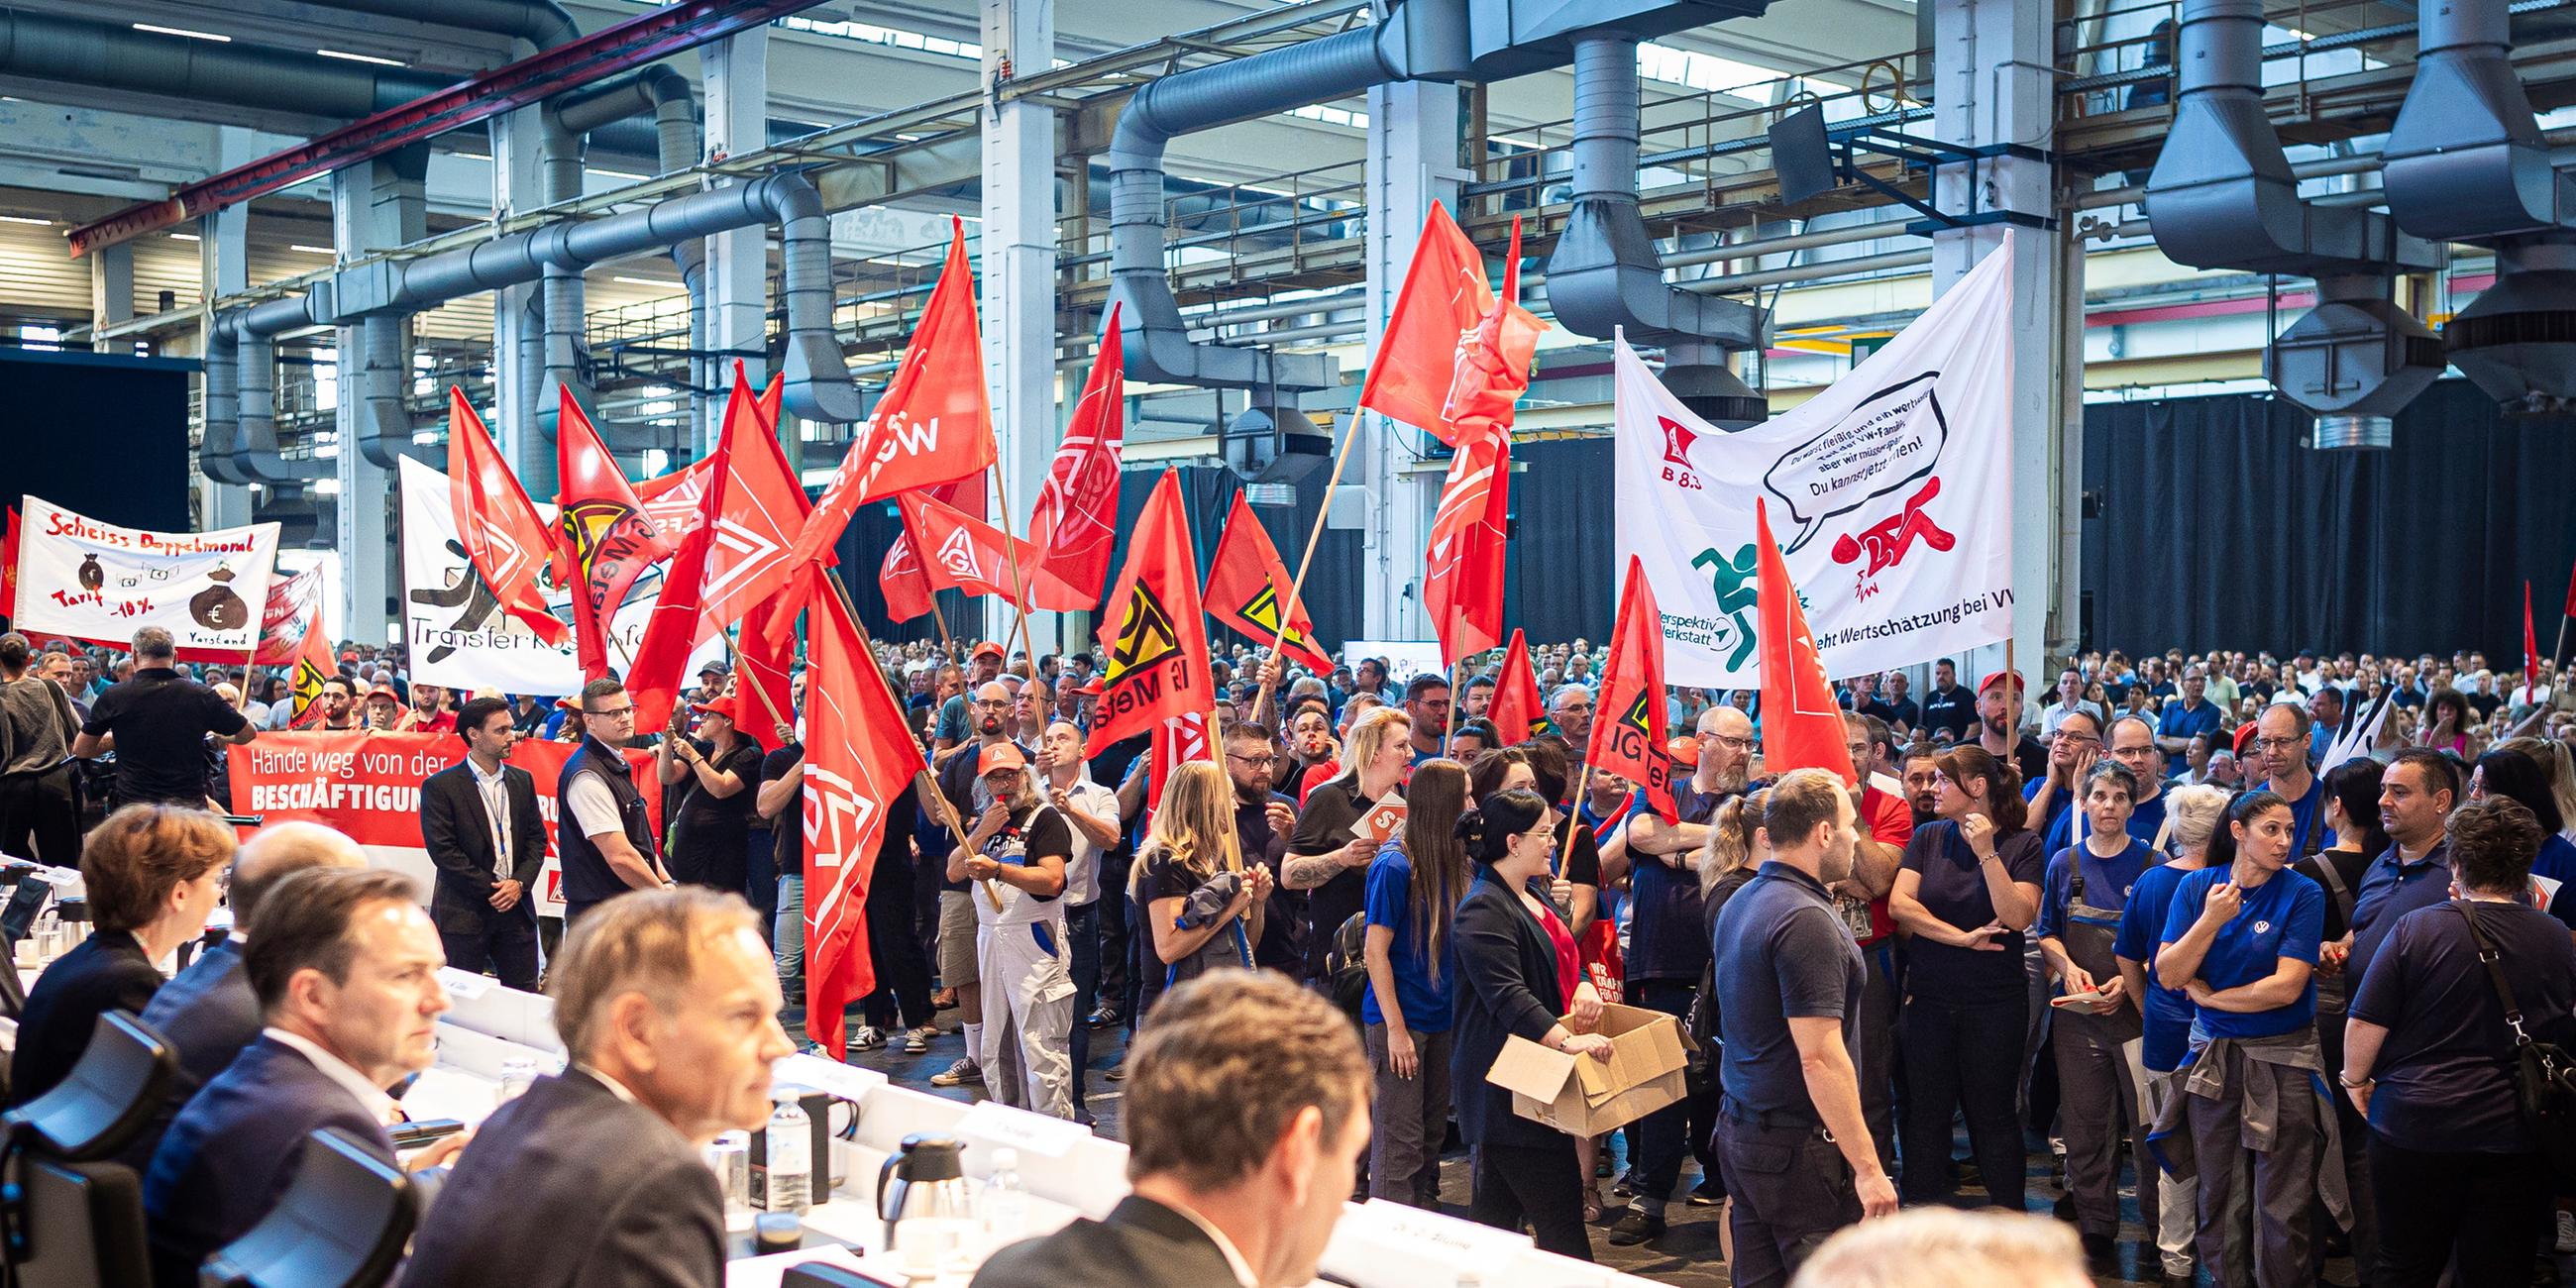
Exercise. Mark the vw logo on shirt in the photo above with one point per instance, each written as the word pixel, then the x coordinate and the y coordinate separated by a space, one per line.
pixel 2262 927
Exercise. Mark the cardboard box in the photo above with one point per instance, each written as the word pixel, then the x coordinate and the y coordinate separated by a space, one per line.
pixel 1584 1096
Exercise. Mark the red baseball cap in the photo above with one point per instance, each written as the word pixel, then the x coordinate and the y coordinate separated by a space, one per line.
pixel 723 706
pixel 987 646
pixel 380 688
pixel 2244 736
pixel 1001 755
pixel 1994 678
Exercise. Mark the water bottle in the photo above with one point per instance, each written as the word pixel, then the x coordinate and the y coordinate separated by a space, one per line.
pixel 517 1074
pixel 729 1156
pixel 49 935
pixel 1006 1201
pixel 791 1157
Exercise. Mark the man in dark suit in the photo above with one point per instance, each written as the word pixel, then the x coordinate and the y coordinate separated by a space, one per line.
pixel 1247 1113
pixel 667 1003
pixel 345 966
pixel 209 1014
pixel 479 821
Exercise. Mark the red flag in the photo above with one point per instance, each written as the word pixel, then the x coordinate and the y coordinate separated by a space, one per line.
pixel 900 578
pixel 1247 584
pixel 291 609
pixel 860 753
pixel 2530 649
pixel 961 552
pixel 764 508
pixel 1628 732
pixel 1176 741
pixel 1462 574
pixel 605 539
pixel 1156 644
pixel 508 544
pixel 935 423
pixel 671 633
pixel 313 665
pixel 9 566
pixel 1437 319
pixel 1519 710
pixel 1076 517
pixel 1802 725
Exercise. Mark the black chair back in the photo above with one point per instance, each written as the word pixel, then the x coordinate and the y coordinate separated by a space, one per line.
pixel 343 1223
pixel 69 1218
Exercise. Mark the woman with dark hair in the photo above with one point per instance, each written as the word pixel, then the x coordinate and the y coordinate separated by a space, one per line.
pixel 2446 722
pixel 2241 940
pixel 1516 975
pixel 1966 889
pixel 712 778
pixel 2461 1179
pixel 2509 774
pixel 1414 886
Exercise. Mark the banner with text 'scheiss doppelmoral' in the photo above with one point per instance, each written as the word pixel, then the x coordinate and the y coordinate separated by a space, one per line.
pixel 1890 494
pixel 94 581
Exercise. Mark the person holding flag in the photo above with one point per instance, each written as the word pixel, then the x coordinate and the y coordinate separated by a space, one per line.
pixel 1017 852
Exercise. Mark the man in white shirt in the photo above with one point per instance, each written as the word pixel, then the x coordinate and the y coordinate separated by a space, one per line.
pixel 345 966
pixel 1091 810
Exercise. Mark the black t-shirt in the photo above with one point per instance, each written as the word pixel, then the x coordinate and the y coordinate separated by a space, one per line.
pixel 1164 877
pixel 2445 1070
pixel 1781 954
pixel 2484 704
pixel 1283 926
pixel 1325 827
pixel 1953 708
pixel 1953 888
pixel 789 826
pixel 957 780
pixel 2348 864
pixel 160 720
pixel 1039 831
pixel 705 818
pixel 1582 862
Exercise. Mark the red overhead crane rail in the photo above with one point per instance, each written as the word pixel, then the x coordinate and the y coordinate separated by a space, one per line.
pixel 605 52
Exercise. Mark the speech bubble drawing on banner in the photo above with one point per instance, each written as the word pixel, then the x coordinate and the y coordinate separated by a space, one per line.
pixel 1889 439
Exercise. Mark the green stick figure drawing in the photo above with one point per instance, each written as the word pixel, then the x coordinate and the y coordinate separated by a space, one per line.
pixel 1733 580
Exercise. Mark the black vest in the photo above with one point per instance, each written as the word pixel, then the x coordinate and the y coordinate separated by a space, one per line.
pixel 587 878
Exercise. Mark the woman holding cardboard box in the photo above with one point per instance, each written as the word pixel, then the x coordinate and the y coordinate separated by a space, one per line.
pixel 1516 975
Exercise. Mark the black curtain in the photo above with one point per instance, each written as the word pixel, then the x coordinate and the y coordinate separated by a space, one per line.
pixel 2214 526
pixel 103 434
pixel 1562 582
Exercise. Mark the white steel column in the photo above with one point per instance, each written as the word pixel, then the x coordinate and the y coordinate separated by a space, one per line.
pixel 1414 138
pixel 373 207
pixel 1017 277
pixel 111 295
pixel 737 94
pixel 223 269
pixel 517 185
pixel 1993 85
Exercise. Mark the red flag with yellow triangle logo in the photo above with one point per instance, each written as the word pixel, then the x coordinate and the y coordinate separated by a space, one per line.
pixel 1246 585
pixel 1153 635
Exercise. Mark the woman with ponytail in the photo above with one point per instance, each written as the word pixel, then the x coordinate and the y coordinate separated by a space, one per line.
pixel 1414 886
pixel 1967 889
pixel 1516 974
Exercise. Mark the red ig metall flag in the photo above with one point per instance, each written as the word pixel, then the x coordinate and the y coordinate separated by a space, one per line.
pixel 1154 637
pixel 1628 729
pixel 1076 516
pixel 1802 725
pixel 287 616
pixel 958 551
pixel 859 754
pixel 1445 301
pixel 1247 588
pixel 1519 710
pixel 313 665
pixel 605 539
pixel 496 523
pixel 1462 574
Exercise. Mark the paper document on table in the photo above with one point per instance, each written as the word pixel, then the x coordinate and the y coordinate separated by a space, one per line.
pixel 1034 1135
pixel 771 1270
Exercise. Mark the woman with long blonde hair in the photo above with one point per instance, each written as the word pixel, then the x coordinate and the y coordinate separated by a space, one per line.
pixel 1202 905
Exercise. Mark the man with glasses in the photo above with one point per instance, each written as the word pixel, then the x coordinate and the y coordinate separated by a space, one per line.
pixel 1263 822
pixel 2193 717
pixel 2282 735
pixel 2133 744
pixel 1570 709
pixel 2071 753
pixel 1426 703
pixel 608 850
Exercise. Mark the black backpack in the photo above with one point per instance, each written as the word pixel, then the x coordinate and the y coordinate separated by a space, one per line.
pixel 1346 964
pixel 2544 1075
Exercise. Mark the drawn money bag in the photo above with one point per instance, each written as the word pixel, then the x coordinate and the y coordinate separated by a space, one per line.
pixel 216 607
pixel 91 575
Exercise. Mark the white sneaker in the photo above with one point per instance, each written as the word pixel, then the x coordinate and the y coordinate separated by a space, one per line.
pixel 866 1038
pixel 2567 1232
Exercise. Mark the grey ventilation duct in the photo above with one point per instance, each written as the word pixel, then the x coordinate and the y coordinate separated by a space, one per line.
pixel 541 23
pixel 112 55
pixel 2222 196
pixel 1605 275
pixel 2466 162
pixel 249 442
pixel 818 383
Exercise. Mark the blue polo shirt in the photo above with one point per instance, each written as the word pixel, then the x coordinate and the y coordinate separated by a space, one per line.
pixel 1953 888
pixel 1781 953
pixel 2167 1011
pixel 2283 917
pixel 2390 890
pixel 2108 884
pixel 1390 904
pixel 2179 721
pixel 2064 825
pixel 2147 818
pixel 2308 831
pixel 1665 926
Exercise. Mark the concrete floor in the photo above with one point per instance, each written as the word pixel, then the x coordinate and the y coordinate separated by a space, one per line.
pixel 1687 1256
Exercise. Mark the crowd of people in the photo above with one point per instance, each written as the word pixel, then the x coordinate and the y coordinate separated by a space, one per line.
pixel 2145 928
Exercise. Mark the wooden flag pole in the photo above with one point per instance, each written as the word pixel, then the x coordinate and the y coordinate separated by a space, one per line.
pixel 1297 584
pixel 735 657
pixel 947 808
pixel 1573 810
pixel 1011 552
pixel 1449 736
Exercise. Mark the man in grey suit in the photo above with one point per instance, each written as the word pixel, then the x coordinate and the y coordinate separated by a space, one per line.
pixel 668 1005
pixel 1247 1113
pixel 209 1013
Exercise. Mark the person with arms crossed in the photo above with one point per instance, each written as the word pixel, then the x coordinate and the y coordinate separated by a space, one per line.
pixel 479 822
pixel 2166 1013
pixel 1247 1114
pixel 668 1008
pixel 608 848
pixel 346 971
pixel 1798 1159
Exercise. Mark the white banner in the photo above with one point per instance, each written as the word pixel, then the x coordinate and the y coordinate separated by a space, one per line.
pixel 1405 659
pixel 1891 493
pixel 453 628
pixel 99 582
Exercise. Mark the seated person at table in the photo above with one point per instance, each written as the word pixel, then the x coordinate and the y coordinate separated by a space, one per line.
pixel 668 1003
pixel 345 966
pixel 1247 1113
pixel 208 1013
pixel 153 873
